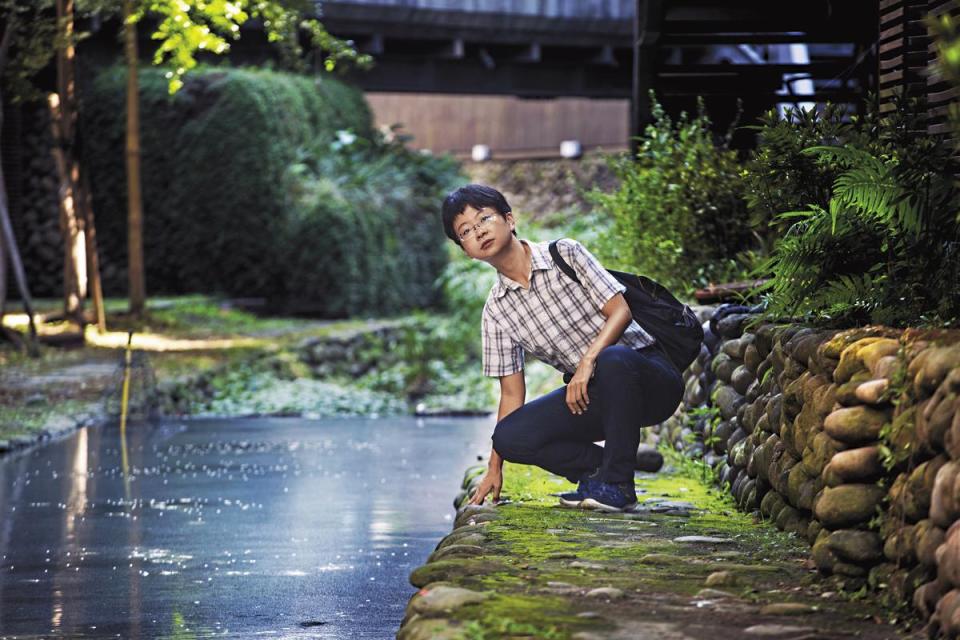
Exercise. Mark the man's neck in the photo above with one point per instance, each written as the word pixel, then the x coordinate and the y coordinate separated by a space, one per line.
pixel 514 262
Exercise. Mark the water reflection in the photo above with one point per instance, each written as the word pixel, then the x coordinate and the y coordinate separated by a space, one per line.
pixel 276 528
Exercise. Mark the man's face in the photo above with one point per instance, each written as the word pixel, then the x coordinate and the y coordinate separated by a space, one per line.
pixel 483 232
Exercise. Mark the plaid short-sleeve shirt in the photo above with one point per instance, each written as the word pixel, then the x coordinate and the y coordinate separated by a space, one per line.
pixel 554 319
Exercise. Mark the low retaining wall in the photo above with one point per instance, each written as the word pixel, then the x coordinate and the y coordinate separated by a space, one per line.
pixel 850 439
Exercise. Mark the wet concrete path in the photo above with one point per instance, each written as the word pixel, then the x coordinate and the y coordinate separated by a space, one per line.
pixel 283 528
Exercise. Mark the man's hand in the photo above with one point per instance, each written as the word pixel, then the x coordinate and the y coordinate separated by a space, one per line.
pixel 577 398
pixel 491 484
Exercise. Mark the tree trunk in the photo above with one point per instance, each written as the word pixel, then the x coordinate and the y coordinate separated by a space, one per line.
pixel 63 118
pixel 93 259
pixel 135 273
pixel 8 248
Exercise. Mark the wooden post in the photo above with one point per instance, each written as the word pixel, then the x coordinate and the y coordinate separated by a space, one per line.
pixel 63 120
pixel 647 22
pixel 85 198
pixel 135 274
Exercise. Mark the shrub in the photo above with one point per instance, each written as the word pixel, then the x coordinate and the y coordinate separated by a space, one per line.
pixel 365 232
pixel 779 177
pixel 679 213
pixel 886 246
pixel 249 189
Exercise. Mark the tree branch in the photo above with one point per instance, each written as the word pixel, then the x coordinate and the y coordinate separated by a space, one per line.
pixel 8 30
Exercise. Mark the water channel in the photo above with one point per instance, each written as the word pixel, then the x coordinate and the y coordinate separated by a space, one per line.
pixel 267 528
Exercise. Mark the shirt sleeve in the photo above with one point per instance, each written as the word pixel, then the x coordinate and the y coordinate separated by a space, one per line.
pixel 502 355
pixel 598 282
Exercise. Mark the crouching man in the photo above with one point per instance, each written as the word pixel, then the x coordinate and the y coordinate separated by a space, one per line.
pixel 618 379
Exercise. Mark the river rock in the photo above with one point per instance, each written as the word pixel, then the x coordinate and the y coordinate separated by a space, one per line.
pixel 456 551
pixel 468 537
pixel 948 556
pixel 873 391
pixel 752 358
pixel 796 478
pixel 728 401
pixel 649 459
pixel 723 367
pixel 806 426
pixel 822 555
pixel 761 458
pixel 741 379
pixel 736 348
pixel 421 628
pixel 791 521
pixel 779 631
pixel 914 504
pixel 476 471
pixel 721 579
pixel 858 465
pixel 898 547
pixel 852 358
pixel 802 347
pixel 944 501
pixel 847 505
pixel 926 596
pixel 945 622
pixel 771 504
pixel 731 326
pixel 433 601
pixel 951 440
pixel 846 393
pixel 902 436
pixel 855 425
pixel 934 417
pixel 885 367
pixel 736 455
pixel 607 593
pixel 694 394
pixel 939 361
pixel 447 570
pixel 927 538
pixel 474 514
pixel 872 353
pixel 714 594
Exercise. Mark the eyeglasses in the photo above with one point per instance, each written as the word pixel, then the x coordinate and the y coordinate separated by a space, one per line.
pixel 485 221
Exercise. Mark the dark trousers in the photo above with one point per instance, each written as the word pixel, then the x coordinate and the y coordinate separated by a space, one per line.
pixel 629 390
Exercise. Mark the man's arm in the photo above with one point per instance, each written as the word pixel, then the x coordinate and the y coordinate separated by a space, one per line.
pixel 513 392
pixel 618 317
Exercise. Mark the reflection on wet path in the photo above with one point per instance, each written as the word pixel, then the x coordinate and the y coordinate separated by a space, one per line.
pixel 270 527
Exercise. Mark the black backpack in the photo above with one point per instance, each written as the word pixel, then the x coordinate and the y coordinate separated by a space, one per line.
pixel 672 323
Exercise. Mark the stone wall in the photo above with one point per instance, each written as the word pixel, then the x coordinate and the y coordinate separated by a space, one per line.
pixel 850 439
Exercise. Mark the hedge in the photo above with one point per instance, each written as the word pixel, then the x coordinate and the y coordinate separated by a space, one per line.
pixel 224 210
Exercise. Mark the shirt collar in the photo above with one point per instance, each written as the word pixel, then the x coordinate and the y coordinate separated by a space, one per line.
pixel 539 260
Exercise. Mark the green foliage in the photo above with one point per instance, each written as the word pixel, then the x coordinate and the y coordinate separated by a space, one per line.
pixel 373 203
pixel 679 213
pixel 885 247
pixel 32 29
pixel 779 176
pixel 250 189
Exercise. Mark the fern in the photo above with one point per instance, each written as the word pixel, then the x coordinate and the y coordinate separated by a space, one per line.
pixel 883 247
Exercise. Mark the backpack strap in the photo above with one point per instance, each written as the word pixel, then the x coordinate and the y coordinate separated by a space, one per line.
pixel 560 262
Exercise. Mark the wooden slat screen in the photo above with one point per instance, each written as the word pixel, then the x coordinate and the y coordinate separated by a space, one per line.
pixel 939 93
pixel 907 59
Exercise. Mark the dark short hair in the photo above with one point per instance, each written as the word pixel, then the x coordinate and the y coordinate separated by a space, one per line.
pixel 477 196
